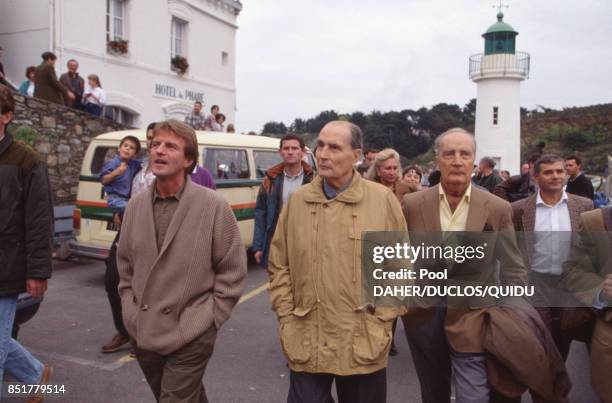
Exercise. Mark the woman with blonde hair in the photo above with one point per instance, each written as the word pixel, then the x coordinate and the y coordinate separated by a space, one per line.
pixel 387 170
pixel 94 97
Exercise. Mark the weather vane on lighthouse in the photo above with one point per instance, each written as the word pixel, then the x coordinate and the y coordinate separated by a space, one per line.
pixel 501 6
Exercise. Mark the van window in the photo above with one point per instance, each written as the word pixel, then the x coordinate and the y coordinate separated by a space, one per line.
pixel 226 163
pixel 264 160
pixel 103 154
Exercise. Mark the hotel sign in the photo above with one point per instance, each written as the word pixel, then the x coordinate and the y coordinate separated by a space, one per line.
pixel 169 91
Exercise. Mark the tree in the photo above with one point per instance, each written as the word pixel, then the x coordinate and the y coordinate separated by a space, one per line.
pixel 469 114
pixel 274 128
pixel 298 126
pixel 315 124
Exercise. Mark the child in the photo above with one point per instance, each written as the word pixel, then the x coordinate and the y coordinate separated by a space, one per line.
pixel 118 173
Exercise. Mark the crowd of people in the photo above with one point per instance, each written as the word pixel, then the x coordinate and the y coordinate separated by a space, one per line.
pixel 178 265
pixel 310 255
pixel 215 121
pixel 70 90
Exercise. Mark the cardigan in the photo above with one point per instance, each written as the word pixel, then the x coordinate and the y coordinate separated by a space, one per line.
pixel 171 296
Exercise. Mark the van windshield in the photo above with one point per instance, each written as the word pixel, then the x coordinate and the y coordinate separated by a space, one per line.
pixel 226 163
pixel 264 160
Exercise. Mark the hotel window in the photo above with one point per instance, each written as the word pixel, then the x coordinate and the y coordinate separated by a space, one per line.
pixel 115 20
pixel 119 115
pixel 495 115
pixel 178 37
pixel 224 58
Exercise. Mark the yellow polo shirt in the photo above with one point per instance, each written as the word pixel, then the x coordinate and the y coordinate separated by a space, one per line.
pixel 456 221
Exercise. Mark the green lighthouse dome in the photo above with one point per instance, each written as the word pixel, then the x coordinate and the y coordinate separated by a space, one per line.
pixel 500 37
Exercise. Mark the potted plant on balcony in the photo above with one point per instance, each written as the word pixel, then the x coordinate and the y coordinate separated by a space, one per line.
pixel 118 46
pixel 179 64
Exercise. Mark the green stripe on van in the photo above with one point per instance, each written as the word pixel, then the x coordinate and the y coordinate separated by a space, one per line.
pixel 89 178
pixel 237 183
pixel 220 183
pixel 244 214
pixel 96 213
pixel 106 214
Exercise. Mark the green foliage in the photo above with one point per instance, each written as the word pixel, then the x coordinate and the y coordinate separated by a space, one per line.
pixel 574 138
pixel 412 132
pixel 25 134
pixel 592 143
pixel 274 128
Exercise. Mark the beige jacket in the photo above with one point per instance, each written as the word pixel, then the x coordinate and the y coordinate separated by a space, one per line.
pixel 315 278
pixel 487 213
pixel 583 274
pixel 173 295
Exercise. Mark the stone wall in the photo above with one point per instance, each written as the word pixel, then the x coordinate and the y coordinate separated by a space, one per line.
pixel 61 135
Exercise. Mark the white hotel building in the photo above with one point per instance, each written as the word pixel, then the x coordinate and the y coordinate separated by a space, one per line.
pixel 129 44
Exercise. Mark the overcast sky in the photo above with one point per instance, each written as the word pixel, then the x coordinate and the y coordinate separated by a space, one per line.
pixel 297 58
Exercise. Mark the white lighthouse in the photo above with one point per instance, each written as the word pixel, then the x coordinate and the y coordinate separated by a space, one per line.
pixel 498 73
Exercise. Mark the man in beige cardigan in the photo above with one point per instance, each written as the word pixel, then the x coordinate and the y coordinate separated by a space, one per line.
pixel 181 264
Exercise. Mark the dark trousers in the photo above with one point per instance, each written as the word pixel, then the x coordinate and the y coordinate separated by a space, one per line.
pixel 93 109
pixel 111 282
pixel 567 324
pixel 430 353
pixel 177 377
pixel 305 387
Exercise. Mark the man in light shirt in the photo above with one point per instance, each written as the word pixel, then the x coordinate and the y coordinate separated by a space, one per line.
pixel 442 339
pixel 545 222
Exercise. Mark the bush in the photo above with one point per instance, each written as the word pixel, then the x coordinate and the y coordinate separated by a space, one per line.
pixel 25 134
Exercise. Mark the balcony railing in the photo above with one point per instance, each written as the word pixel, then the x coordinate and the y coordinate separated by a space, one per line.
pixel 499 65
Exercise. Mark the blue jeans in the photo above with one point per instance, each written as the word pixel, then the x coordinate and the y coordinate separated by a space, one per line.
pixel 15 359
pixel 117 203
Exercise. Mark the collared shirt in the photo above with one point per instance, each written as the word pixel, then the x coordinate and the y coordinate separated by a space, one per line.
pixel 552 237
pixel 291 183
pixel 98 92
pixel 196 121
pixel 122 184
pixel 570 180
pixel 75 83
pixel 143 179
pixel 330 192
pixel 163 211
pixel 457 220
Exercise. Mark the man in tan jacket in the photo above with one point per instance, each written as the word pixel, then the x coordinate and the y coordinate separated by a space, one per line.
pixel 441 338
pixel 316 283
pixel 588 274
pixel 181 264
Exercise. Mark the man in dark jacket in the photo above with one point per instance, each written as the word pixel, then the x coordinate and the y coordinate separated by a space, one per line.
pixel 46 85
pixel 486 177
pixel 577 183
pixel 280 181
pixel 518 187
pixel 75 83
pixel 26 236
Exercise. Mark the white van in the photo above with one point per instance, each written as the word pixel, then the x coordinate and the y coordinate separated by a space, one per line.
pixel 237 163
